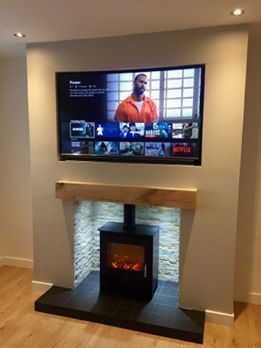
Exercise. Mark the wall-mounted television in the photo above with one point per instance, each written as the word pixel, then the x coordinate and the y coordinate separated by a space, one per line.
pixel 142 115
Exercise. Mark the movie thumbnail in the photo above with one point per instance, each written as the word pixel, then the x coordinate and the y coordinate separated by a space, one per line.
pixel 107 130
pixel 82 147
pixel 184 150
pixel 185 130
pixel 106 148
pixel 157 149
pixel 131 130
pixel 132 149
pixel 158 130
pixel 82 129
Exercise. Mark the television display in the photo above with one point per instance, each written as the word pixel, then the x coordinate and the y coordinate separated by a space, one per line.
pixel 146 115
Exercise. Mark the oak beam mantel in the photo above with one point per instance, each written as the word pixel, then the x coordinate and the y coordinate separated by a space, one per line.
pixel 144 195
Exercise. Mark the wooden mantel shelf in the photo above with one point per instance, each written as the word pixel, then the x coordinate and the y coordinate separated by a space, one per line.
pixel 166 197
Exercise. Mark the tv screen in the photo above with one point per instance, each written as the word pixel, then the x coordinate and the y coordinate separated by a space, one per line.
pixel 146 115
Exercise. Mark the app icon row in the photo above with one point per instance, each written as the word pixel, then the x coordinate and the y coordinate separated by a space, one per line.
pixel 125 148
pixel 114 130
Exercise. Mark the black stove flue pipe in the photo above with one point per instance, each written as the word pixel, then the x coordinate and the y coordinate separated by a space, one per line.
pixel 129 216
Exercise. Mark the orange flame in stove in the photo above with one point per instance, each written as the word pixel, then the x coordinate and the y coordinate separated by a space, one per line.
pixel 122 263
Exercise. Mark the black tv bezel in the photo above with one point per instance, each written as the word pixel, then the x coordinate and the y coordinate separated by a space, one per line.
pixel 196 161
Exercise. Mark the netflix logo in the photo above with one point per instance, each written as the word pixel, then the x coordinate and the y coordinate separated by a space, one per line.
pixel 184 149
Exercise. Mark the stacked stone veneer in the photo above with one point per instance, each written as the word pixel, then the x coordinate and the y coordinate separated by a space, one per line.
pixel 89 216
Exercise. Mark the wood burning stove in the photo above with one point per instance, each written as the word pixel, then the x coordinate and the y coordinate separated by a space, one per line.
pixel 129 255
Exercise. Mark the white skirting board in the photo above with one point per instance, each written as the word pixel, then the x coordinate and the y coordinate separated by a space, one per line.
pixel 16 262
pixel 41 286
pixel 254 297
pixel 217 317
pixel 220 318
pixel 251 297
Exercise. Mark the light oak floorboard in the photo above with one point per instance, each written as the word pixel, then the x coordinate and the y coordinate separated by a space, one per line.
pixel 22 327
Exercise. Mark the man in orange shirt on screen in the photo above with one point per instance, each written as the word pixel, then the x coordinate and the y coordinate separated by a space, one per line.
pixel 137 107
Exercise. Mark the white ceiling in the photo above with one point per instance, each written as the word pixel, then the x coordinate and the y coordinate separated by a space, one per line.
pixel 52 20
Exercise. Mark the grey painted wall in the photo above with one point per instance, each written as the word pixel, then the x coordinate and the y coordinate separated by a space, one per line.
pixel 248 259
pixel 15 190
pixel 208 236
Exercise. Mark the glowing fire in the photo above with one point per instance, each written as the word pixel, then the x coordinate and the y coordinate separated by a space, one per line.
pixel 122 262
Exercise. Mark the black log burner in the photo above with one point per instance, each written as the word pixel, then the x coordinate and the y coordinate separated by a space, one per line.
pixel 129 255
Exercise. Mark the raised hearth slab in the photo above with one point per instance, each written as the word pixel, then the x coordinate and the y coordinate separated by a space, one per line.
pixel 159 316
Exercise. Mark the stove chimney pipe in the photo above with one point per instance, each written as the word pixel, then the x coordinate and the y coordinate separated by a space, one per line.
pixel 129 216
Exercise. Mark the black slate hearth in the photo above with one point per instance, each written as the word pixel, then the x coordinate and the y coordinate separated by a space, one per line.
pixel 159 316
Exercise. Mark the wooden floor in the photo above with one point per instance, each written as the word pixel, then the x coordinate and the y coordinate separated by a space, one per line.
pixel 21 327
